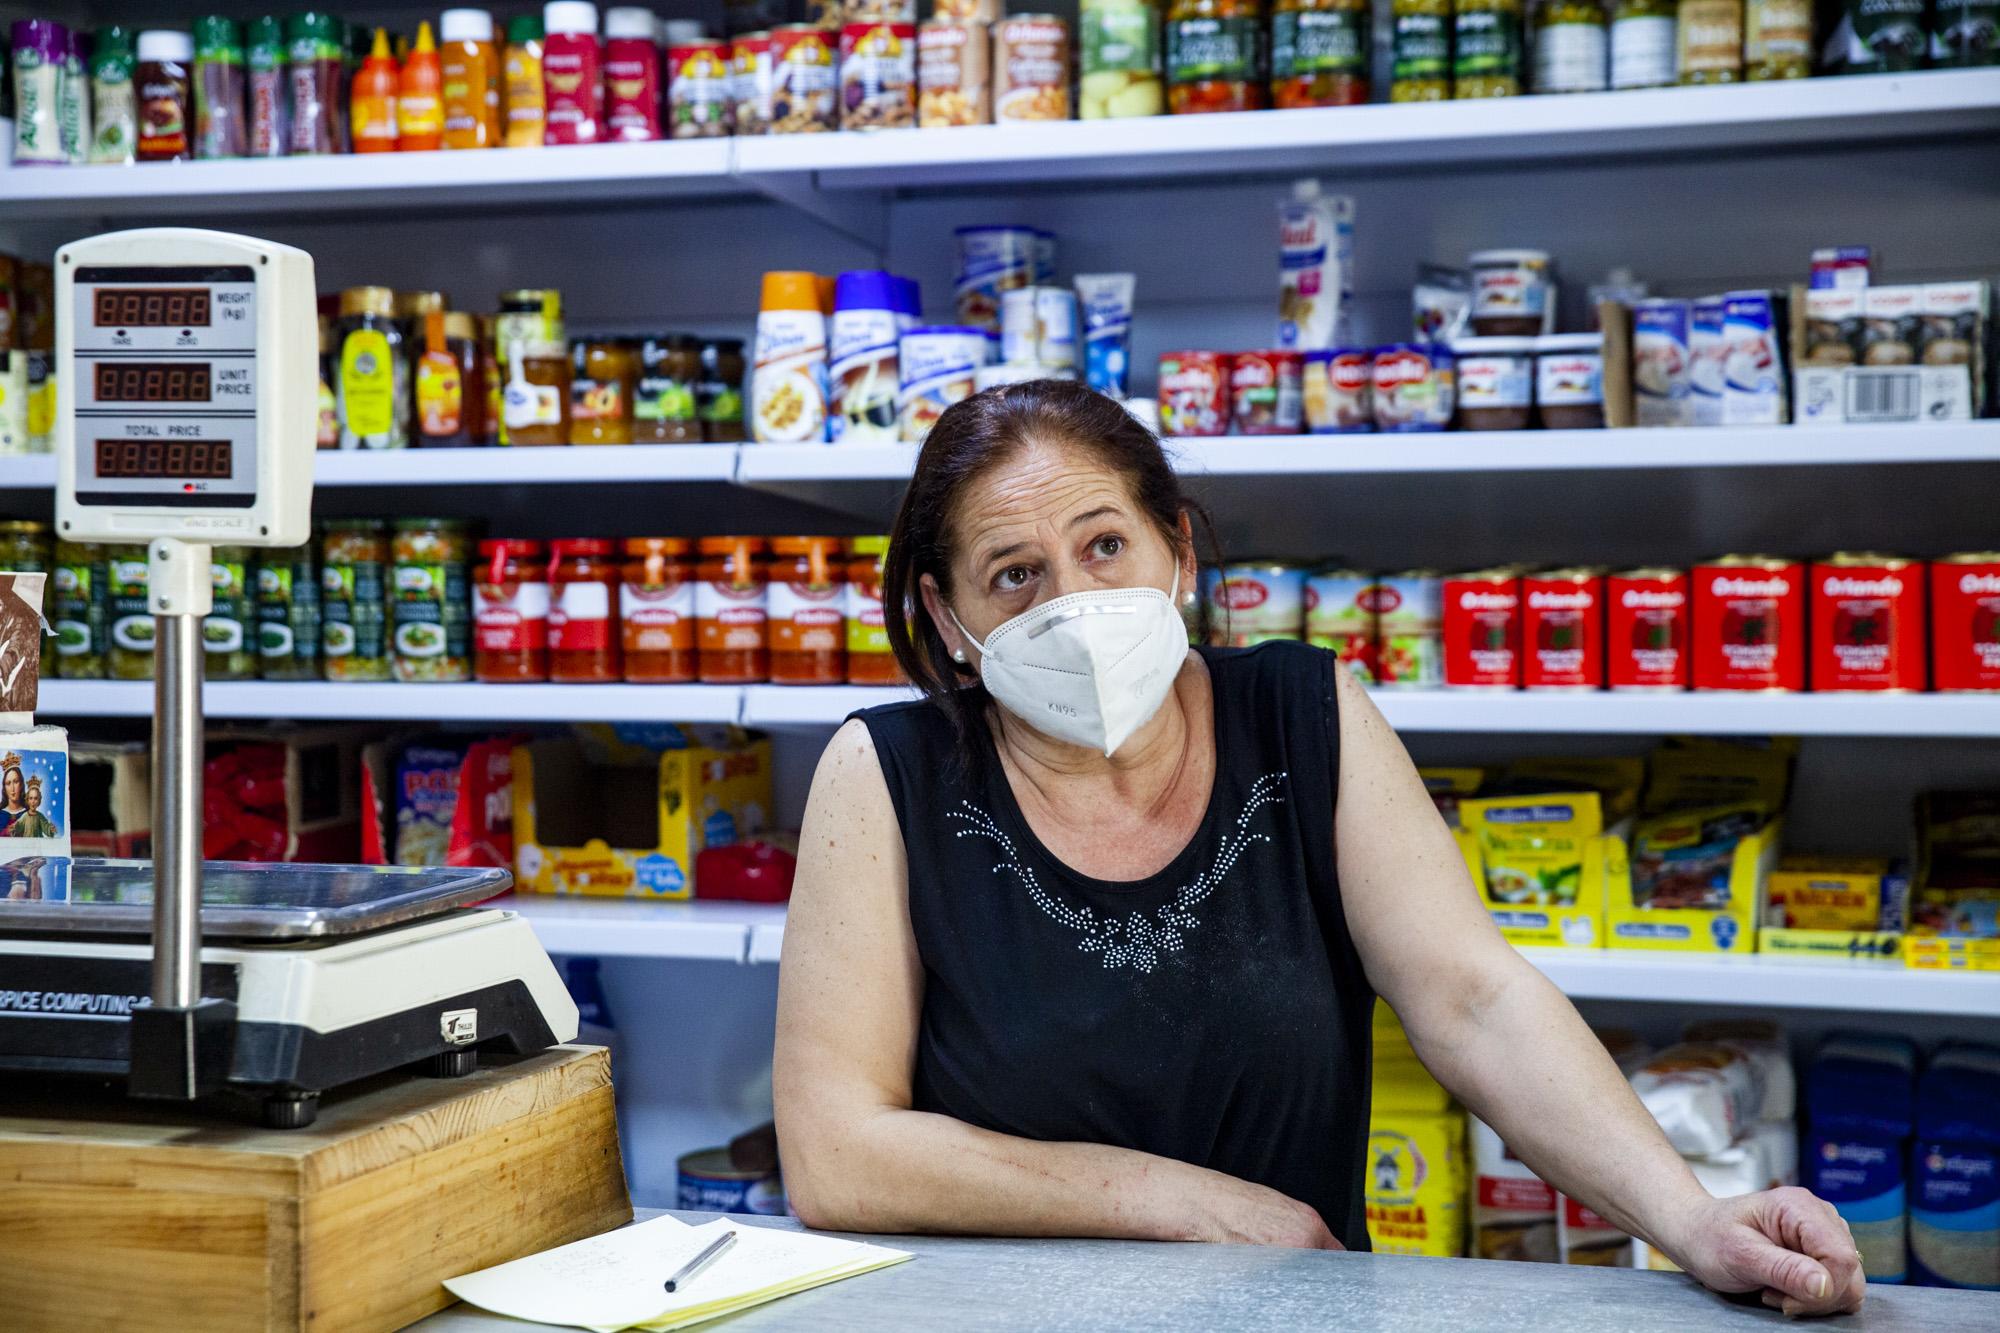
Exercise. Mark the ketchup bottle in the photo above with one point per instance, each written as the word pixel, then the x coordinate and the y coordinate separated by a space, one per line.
pixel 572 72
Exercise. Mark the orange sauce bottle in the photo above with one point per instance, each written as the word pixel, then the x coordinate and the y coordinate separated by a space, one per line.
pixel 372 108
pixel 471 66
pixel 419 97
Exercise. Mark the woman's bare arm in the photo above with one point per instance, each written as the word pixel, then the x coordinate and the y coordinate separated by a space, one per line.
pixel 856 1156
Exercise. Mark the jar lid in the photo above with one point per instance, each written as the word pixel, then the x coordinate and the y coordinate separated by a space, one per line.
pixel 164 44
pixel 1493 346
pixel 267 31
pixel 630 21
pixel 465 25
pixel 373 526
pixel 805 545
pixel 368 301
pixel 644 546
pixel 1570 342
pixel 27 525
pixel 533 297
pixel 679 32
pixel 1495 258
pixel 787 289
pixel 543 351
pixel 511 546
pixel 731 545
pixel 524 28
pixel 569 546
pixel 215 33
pixel 877 546
pixel 427 524
pixel 458 324
pixel 411 304
pixel 570 16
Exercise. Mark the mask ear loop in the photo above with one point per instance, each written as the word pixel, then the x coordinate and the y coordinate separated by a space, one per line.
pixel 1172 592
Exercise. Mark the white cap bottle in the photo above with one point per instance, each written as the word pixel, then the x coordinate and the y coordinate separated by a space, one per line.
pixel 628 21
pixel 465 25
pixel 570 16
pixel 165 44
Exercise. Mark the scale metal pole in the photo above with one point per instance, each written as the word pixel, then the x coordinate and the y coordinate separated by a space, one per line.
pixel 182 596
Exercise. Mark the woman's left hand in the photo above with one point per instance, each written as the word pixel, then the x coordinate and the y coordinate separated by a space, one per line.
pixel 1786 1242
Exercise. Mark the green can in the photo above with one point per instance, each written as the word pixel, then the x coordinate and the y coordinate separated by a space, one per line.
pixel 1965 33
pixel 130 655
pixel 226 633
pixel 432 608
pixel 24 549
pixel 1884 36
pixel 82 605
pixel 354 559
pixel 288 614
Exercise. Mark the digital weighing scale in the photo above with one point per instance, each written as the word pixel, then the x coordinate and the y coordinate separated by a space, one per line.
pixel 187 392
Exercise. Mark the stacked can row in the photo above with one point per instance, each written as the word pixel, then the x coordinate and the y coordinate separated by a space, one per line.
pixel 1850 622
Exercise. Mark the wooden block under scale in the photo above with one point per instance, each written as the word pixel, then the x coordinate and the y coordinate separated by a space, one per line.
pixel 116 1214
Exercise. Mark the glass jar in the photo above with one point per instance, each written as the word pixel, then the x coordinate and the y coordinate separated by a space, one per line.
pixel 806 606
pixel 327 433
pixel 730 610
pixel 353 562
pixel 287 614
pixel 1320 53
pixel 656 607
pixel 372 384
pixel 1215 56
pixel 718 394
pixel 82 610
pixel 1710 41
pixel 1572 47
pixel 228 651
pixel 489 380
pixel 869 661
pixel 129 655
pixel 600 391
pixel 1420 51
pixel 25 549
pixel 431 611
pixel 534 403
pixel 450 381
pixel 1486 49
pixel 583 624
pixel 663 405
pixel 1778 39
pixel 1642 43
pixel 510 611
pixel 527 315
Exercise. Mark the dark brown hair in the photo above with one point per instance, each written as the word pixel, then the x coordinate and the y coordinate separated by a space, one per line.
pixel 970 439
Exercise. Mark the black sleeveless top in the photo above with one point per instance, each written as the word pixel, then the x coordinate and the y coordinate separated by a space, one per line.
pixel 1215 1012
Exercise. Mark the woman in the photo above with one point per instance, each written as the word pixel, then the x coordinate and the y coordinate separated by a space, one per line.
pixel 1086 942
pixel 13 790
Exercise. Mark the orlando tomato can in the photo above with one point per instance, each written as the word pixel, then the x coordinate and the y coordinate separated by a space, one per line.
pixel 1409 629
pixel 1646 630
pixel 1482 630
pixel 1195 393
pixel 1562 630
pixel 1749 621
pixel 1965 621
pixel 1340 617
pixel 1867 623
pixel 1255 601
pixel 1265 393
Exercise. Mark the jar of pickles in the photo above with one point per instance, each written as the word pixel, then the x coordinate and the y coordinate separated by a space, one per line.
pixel 510 611
pixel 602 375
pixel 287 614
pixel 82 610
pixel 130 654
pixel 656 608
pixel 354 613
pixel 1420 51
pixel 430 612
pixel 718 394
pixel 1215 56
pixel 1320 53
pixel 869 661
pixel 806 606
pixel 663 404
pixel 583 623
pixel 1572 47
pixel 25 549
pixel 226 632
pixel 1486 49
pixel 730 609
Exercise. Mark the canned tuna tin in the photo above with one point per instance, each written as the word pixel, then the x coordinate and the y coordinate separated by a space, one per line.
pixel 1416 387
pixel 1647 631
pixel 991 260
pixel 709 1183
pixel 1965 621
pixel 1867 623
pixel 939 366
pixel 1749 624
pixel 1339 391
pixel 1340 617
pixel 1038 326
pixel 954 58
pixel 1030 69
pixel 753 82
pixel 1265 397
pixel 1409 629
pixel 878 76
pixel 1482 630
pixel 803 96
pixel 1194 393
pixel 1254 602
pixel 1562 630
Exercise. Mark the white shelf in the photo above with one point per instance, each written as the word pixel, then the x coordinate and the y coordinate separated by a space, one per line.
pixel 812 705
pixel 1910 715
pixel 513 467
pixel 28 472
pixel 644 928
pixel 498 704
pixel 768 463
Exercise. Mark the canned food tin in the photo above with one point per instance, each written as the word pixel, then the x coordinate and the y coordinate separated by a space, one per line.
pixel 753 83
pixel 130 655
pixel 81 610
pixel 1749 623
pixel 701 90
pixel 1482 630
pixel 954 73
pixel 1409 629
pixel 1867 623
pixel 991 260
pixel 803 92
pixel 287 614
pixel 878 76
pixel 1265 394
pixel 1339 391
pixel 1340 617
pixel 709 1183
pixel 1254 602
pixel 1030 69
pixel 1415 387
pixel 1965 621
pixel 1195 393
pixel 939 366
pixel 1646 635
pixel 228 631
pixel 1038 326
pixel 1562 630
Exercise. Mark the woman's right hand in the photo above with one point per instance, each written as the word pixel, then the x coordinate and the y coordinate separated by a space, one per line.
pixel 1237 1212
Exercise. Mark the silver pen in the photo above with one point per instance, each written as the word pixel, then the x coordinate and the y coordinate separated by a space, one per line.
pixel 693 1267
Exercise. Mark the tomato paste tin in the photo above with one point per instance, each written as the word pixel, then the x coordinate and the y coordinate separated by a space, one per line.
pixel 1340 617
pixel 1409 629
pixel 1339 391
pixel 1562 630
pixel 1965 621
pixel 1749 623
pixel 1646 630
pixel 1195 393
pixel 1482 630
pixel 1253 602
pixel 1415 386
pixel 1867 623
pixel 1265 394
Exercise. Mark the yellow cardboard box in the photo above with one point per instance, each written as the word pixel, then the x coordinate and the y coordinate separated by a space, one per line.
pixel 1416 1182
pixel 1957 953
pixel 1732 929
pixel 1860 946
pixel 629 823
pixel 1578 924
pixel 1828 893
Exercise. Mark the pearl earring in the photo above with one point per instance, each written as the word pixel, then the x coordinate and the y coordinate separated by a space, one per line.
pixel 959 655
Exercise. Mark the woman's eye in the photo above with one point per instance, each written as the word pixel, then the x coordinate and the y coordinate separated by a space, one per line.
pixel 1109 544
pixel 1012 577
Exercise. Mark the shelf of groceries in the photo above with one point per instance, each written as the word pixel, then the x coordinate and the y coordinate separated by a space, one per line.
pixel 1920 106
pixel 779 706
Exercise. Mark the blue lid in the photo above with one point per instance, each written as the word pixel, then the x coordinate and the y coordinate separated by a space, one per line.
pixel 967 330
pixel 864 289
pixel 909 298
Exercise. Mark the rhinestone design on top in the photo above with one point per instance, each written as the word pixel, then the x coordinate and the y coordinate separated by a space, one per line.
pixel 1138 939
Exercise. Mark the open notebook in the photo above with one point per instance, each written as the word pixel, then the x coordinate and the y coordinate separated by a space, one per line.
pixel 617 1280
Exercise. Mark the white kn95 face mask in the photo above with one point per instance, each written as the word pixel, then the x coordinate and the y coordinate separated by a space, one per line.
pixel 1090 667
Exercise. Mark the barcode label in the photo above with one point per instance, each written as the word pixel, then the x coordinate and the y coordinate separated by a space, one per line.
pixel 1881 395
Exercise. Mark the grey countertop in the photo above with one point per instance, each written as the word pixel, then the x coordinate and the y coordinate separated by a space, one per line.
pixel 1105 1284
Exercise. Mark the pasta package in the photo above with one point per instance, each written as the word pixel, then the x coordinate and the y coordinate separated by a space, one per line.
pixel 1703 1094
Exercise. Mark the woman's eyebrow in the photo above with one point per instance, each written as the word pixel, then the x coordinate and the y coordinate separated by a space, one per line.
pixel 1091 514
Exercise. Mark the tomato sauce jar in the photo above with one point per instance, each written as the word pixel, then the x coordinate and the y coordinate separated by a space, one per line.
pixel 1965 621
pixel 1482 630
pixel 583 619
pixel 510 611
pixel 807 608
pixel 1867 622
pixel 656 610
pixel 1749 623
pixel 1646 630
pixel 869 661
pixel 731 616
pixel 1562 630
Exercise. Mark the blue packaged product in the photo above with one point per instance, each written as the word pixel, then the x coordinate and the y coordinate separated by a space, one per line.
pixel 1106 302
pixel 1860 1104
pixel 992 260
pixel 426 796
pixel 1955 1171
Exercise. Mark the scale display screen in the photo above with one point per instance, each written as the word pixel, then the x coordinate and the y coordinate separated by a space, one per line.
pixel 152 307
pixel 154 381
pixel 187 460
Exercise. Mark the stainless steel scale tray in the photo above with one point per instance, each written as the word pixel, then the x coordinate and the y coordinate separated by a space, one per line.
pixel 240 900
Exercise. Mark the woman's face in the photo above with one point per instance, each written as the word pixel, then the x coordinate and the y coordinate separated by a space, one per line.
pixel 12 789
pixel 1050 521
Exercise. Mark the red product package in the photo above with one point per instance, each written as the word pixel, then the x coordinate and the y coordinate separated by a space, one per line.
pixel 1965 621
pixel 1562 630
pixel 1867 623
pixel 1482 630
pixel 1646 630
pixel 1749 624
pixel 1195 393
pixel 757 871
